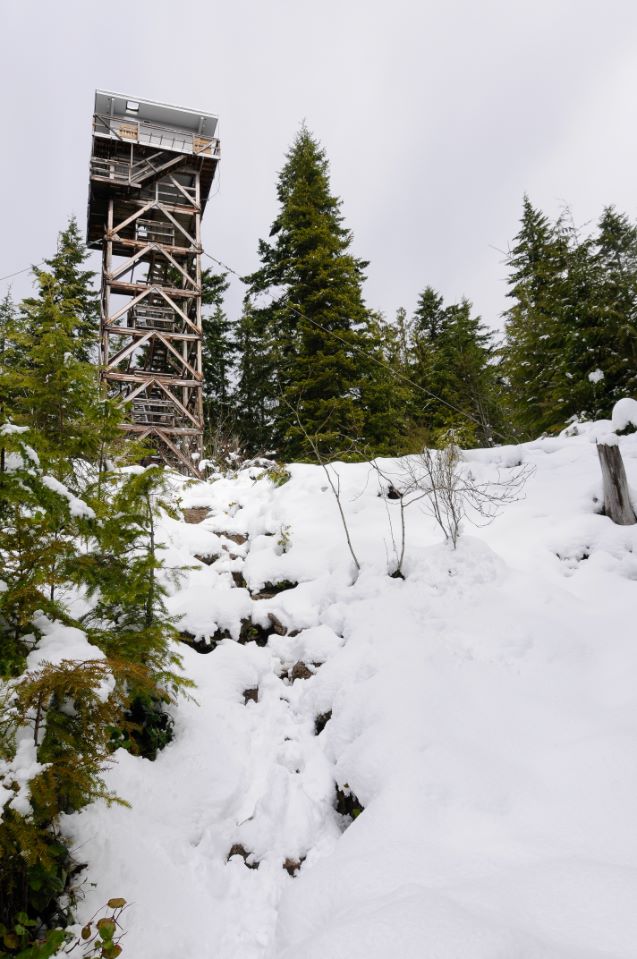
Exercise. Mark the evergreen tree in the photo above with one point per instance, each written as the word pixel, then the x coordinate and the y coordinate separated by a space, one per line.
pixel 255 403
pixel 571 335
pixel 57 390
pixel 583 331
pixel 9 352
pixel 75 289
pixel 465 348
pixel 427 365
pixel 219 355
pixel 615 254
pixel 37 542
pixel 120 568
pixel 385 394
pixel 535 336
pixel 314 326
pixel 428 319
pixel 452 362
pixel 403 327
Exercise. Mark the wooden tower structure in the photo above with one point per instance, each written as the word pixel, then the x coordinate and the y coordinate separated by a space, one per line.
pixel 152 166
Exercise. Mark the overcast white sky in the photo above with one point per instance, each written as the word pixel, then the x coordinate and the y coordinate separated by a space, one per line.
pixel 436 117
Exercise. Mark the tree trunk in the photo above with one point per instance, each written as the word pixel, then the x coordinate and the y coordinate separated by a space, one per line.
pixel 617 505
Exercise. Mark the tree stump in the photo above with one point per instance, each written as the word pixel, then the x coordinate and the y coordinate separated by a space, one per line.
pixel 617 505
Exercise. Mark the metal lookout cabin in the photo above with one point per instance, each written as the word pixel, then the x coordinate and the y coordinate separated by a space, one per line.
pixel 152 167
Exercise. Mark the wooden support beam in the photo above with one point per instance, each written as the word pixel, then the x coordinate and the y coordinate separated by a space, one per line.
pixel 189 464
pixel 142 330
pixel 131 219
pixel 181 189
pixel 126 351
pixel 136 244
pixel 172 430
pixel 120 286
pixel 184 316
pixel 178 404
pixel 127 265
pixel 184 273
pixel 169 216
pixel 132 377
pixel 182 360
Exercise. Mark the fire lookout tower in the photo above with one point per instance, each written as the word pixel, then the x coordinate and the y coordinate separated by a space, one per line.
pixel 152 167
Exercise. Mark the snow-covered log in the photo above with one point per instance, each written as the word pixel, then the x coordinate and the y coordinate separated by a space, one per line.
pixel 617 504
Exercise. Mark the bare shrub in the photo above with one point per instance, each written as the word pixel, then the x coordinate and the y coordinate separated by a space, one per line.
pixel 447 489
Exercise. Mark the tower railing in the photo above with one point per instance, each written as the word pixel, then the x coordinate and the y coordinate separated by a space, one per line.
pixel 129 130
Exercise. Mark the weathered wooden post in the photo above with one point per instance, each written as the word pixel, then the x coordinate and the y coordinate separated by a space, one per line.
pixel 152 166
pixel 617 504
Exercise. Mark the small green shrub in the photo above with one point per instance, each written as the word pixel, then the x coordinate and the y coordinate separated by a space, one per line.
pixel 147 728
pixel 277 474
pixel 34 869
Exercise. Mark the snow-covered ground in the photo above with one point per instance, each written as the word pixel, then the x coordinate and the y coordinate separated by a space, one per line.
pixel 483 712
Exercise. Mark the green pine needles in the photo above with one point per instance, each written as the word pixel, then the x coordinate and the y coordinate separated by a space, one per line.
pixel 77 523
pixel 312 363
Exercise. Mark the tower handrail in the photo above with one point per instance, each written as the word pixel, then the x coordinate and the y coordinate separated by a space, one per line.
pixel 131 130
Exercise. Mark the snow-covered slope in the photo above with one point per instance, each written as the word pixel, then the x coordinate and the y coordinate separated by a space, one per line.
pixel 483 712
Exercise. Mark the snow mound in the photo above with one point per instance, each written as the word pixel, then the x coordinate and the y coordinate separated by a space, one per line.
pixel 624 414
pixel 481 712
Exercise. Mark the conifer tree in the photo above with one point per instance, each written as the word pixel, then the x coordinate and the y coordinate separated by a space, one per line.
pixel 55 374
pixel 121 568
pixel 75 289
pixel 615 254
pixel 583 338
pixel 403 327
pixel 9 353
pixel 535 335
pixel 38 533
pixel 58 391
pixel 465 347
pixel 219 355
pixel 571 334
pixel 428 319
pixel 385 394
pixel 255 401
pixel 312 320
pixel 452 362
pixel 427 364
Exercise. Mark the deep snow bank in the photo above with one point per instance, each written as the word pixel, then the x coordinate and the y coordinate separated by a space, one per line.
pixel 483 711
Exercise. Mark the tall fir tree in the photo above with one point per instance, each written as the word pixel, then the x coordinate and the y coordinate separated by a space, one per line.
pixel 58 392
pixel 75 288
pixel 314 325
pixel 466 349
pixel 255 401
pixel 219 355
pixel 56 378
pixel 426 369
pixel 583 335
pixel 571 334
pixel 384 391
pixel 615 254
pixel 403 335
pixel 452 363
pixel 535 336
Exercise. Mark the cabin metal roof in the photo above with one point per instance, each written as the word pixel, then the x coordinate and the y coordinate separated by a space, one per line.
pixel 108 103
